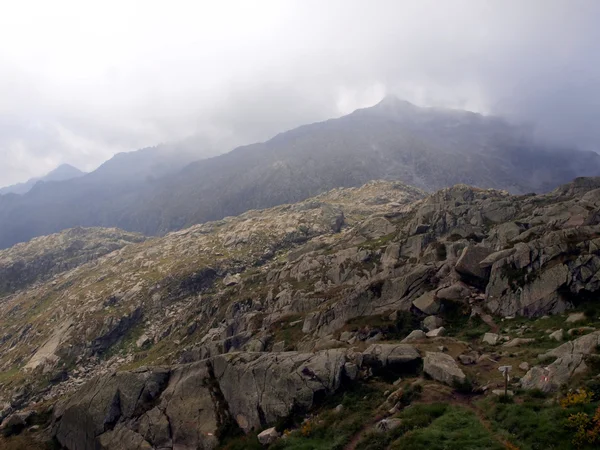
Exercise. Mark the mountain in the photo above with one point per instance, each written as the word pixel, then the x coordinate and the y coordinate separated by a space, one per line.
pixel 61 173
pixel 373 298
pixel 97 198
pixel 394 140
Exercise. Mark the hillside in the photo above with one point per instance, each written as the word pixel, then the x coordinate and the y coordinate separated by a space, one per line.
pixel 394 140
pixel 206 336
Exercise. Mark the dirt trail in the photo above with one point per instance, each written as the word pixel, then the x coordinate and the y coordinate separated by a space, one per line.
pixel 359 435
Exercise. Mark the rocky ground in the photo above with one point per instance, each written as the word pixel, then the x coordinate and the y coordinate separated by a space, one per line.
pixel 270 318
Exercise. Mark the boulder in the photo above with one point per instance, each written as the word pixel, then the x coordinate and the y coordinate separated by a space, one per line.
pixel 415 335
pixel 490 338
pixel 443 368
pixel 268 436
pixel 232 280
pixel 467 359
pixel 552 377
pixel 468 265
pixel 569 362
pixel 438 332
pixel 584 345
pixel 557 335
pixel 387 424
pixel 427 303
pixel 391 355
pixel 432 322
pixel 579 331
pixel 142 341
pixel 455 292
pixel 575 317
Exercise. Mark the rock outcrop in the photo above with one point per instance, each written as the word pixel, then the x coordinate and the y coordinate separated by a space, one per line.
pixel 190 405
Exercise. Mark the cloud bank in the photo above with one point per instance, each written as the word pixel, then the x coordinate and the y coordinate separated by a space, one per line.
pixel 80 81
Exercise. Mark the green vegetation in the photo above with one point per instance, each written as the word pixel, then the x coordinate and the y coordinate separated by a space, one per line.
pixel 535 423
pixel 457 429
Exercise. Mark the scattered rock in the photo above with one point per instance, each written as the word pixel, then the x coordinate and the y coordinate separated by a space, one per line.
pixel 390 355
pixel 232 280
pixel 443 368
pixel 142 341
pixel 500 392
pixel 427 303
pixel 580 331
pixel 558 335
pixel 490 338
pixel 345 336
pixel 415 335
pixel 432 322
pixel 438 332
pixel 575 317
pixel 268 436
pixel 388 424
pixel 524 366
pixel 468 358
pixel 455 292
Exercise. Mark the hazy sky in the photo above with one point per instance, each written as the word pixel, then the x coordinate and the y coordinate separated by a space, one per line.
pixel 81 80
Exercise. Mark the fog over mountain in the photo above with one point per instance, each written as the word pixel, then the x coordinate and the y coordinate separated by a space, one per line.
pixel 155 190
pixel 61 173
pixel 80 83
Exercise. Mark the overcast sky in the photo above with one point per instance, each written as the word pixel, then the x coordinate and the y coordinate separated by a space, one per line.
pixel 82 80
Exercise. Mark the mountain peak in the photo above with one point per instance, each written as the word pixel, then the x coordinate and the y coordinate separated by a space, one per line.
pixel 391 100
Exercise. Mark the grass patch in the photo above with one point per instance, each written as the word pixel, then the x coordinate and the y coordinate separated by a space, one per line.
pixel 534 424
pixel 457 429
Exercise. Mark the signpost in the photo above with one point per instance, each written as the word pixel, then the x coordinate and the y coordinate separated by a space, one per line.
pixel 505 370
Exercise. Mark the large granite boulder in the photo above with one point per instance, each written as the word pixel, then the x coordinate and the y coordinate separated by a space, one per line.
pixel 443 368
pixel 570 361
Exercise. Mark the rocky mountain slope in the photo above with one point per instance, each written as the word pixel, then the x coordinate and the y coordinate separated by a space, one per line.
pixel 395 140
pixel 43 257
pixel 61 173
pixel 233 326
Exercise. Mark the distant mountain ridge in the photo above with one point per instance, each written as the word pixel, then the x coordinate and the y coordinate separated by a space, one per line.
pixel 394 140
pixel 61 173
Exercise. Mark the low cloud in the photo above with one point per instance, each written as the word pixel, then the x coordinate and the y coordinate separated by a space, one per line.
pixel 79 83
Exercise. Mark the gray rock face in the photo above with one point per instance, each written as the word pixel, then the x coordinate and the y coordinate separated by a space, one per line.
pixel 185 407
pixel 468 265
pixel 443 368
